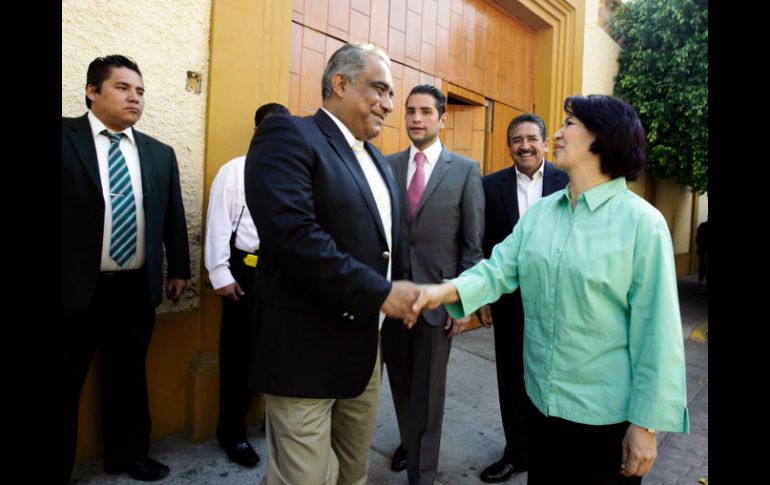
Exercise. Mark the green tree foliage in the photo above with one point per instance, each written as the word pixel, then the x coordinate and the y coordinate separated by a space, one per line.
pixel 663 73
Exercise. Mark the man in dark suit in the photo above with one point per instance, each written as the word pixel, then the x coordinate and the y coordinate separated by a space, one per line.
pixel 442 226
pixel 326 208
pixel 121 205
pixel 509 193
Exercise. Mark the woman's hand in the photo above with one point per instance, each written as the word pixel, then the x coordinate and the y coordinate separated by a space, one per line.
pixel 640 448
pixel 431 296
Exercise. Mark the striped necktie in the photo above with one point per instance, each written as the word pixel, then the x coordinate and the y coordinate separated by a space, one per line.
pixel 123 242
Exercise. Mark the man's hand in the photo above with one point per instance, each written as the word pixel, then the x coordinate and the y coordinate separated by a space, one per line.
pixel 456 325
pixel 484 314
pixel 233 291
pixel 399 302
pixel 640 448
pixel 174 288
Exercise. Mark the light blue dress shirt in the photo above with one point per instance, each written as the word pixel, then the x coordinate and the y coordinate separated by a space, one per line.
pixel 602 334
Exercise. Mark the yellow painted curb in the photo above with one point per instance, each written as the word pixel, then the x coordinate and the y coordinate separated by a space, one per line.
pixel 700 333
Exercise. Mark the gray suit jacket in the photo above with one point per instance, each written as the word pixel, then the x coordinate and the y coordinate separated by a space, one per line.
pixel 445 237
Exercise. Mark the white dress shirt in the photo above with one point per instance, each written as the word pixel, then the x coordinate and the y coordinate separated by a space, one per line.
pixel 131 154
pixel 431 157
pixel 227 204
pixel 378 187
pixel 529 190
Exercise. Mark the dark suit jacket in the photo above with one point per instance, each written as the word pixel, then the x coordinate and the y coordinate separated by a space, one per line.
pixel 445 237
pixel 502 213
pixel 83 215
pixel 321 276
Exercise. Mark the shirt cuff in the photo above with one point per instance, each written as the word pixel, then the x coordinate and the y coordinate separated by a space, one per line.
pixel 457 309
pixel 221 277
pixel 658 414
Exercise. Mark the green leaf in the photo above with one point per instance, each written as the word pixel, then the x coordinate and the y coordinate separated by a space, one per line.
pixel 663 73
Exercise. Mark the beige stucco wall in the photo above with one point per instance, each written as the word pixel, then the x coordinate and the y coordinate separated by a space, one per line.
pixel 600 62
pixel 674 201
pixel 703 207
pixel 166 39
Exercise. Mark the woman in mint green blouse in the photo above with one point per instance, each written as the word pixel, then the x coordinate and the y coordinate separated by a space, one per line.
pixel 603 347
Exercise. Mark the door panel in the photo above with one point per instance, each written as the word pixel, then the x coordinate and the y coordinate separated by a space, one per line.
pixel 465 131
pixel 498 157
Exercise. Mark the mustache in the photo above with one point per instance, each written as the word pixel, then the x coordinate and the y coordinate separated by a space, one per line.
pixel 526 152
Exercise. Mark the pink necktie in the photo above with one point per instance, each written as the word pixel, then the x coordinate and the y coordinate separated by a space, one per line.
pixel 417 185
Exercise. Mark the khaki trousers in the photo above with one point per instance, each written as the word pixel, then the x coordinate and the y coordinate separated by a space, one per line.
pixel 321 441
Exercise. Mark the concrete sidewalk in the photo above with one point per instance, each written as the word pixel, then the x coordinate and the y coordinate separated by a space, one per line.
pixel 472 434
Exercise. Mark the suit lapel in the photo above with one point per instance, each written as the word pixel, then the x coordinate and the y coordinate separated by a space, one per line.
pixel 80 134
pixel 146 167
pixel 510 197
pixel 400 166
pixel 549 179
pixel 345 153
pixel 442 165
pixel 400 170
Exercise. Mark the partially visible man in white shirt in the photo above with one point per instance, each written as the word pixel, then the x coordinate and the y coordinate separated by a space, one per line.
pixel 231 254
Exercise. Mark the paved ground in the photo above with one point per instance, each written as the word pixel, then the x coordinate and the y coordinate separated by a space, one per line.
pixel 473 435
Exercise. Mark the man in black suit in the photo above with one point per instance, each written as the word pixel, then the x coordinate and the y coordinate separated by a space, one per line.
pixel 509 193
pixel 231 253
pixel 121 205
pixel 326 208
pixel 441 229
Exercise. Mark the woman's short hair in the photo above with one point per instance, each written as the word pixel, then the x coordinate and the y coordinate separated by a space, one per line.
pixel 620 141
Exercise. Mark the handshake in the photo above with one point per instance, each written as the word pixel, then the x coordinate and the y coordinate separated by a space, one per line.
pixel 407 300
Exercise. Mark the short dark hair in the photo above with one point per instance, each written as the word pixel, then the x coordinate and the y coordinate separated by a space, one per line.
pixel 527 118
pixel 433 91
pixel 101 67
pixel 620 141
pixel 269 109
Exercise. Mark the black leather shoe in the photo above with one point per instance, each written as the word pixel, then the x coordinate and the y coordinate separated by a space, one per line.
pixel 499 471
pixel 144 468
pixel 398 462
pixel 242 453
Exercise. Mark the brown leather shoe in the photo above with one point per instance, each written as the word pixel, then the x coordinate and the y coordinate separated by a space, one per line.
pixel 398 462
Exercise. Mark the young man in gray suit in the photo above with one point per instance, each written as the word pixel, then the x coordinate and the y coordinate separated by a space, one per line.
pixel 442 227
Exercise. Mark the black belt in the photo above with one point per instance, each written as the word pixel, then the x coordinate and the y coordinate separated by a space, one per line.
pixel 124 273
pixel 245 253
pixel 247 258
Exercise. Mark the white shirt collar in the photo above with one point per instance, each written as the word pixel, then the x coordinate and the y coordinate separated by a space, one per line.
pixel 522 174
pixel 97 127
pixel 431 153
